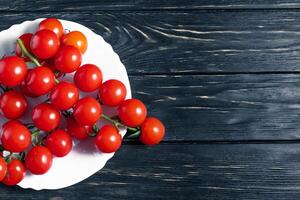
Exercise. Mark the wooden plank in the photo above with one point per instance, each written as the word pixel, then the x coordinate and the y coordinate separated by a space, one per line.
pixel 54 5
pixel 223 107
pixel 222 171
pixel 213 42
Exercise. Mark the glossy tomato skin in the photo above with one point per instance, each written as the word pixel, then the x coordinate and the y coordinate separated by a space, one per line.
pixel 38 160
pixel 79 132
pixel 59 143
pixel 40 81
pixel 15 137
pixel 152 131
pixel 68 59
pixel 26 38
pixel 52 24
pixel 108 139
pixel 76 39
pixel 45 117
pixel 87 111
pixel 15 173
pixel 13 104
pixel 44 44
pixel 132 112
pixel 64 95
pixel 88 78
pixel 3 168
pixel 112 92
pixel 13 71
pixel 25 91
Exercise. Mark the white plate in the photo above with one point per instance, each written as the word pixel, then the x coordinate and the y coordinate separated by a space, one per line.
pixel 84 160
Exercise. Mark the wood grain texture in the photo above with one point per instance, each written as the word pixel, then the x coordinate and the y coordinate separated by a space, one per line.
pixel 223 107
pixel 136 172
pixel 213 42
pixel 222 171
pixel 79 5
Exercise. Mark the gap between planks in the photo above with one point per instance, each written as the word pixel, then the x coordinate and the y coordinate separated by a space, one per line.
pixel 221 142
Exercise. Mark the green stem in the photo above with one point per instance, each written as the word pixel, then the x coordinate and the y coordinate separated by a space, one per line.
pixel 134 135
pixel 117 124
pixel 35 133
pixel 26 52
pixel 8 157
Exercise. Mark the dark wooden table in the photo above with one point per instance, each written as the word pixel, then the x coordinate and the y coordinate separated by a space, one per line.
pixel 225 78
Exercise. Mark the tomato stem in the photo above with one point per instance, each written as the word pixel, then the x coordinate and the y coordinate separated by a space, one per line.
pixel 8 157
pixel 117 123
pixel 26 52
pixel 34 136
pixel 134 135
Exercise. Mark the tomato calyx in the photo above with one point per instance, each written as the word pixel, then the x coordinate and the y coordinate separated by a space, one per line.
pixel 131 132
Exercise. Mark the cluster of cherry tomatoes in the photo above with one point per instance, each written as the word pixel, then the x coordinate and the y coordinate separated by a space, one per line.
pixel 32 146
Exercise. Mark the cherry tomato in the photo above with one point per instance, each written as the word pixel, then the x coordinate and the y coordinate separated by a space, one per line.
pixel 87 111
pixel 38 160
pixel 68 59
pixel 24 90
pixel 3 168
pixel 76 39
pixel 132 112
pixel 13 71
pixel 15 137
pixel 15 173
pixel 53 25
pixel 64 95
pixel 49 64
pixel 88 78
pixel 112 92
pixel 44 44
pixel 40 81
pixel 152 131
pixel 77 131
pixel 108 139
pixel 45 117
pixel 12 104
pixel 59 143
pixel 26 38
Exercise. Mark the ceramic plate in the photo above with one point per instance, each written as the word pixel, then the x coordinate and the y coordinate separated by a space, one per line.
pixel 84 160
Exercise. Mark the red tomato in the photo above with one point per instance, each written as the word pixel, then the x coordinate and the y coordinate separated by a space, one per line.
pixel 87 111
pixel 112 92
pixel 77 131
pixel 49 64
pixel 12 104
pixel 52 24
pixel 68 59
pixel 88 78
pixel 40 81
pixel 59 143
pixel 108 139
pixel 152 131
pixel 38 160
pixel 24 90
pixel 26 38
pixel 3 168
pixel 15 173
pixel 132 112
pixel 44 44
pixel 76 39
pixel 64 95
pixel 45 117
pixel 13 71
pixel 15 137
